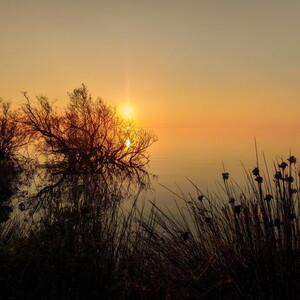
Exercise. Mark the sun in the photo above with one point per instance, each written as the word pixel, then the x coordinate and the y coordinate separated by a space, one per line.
pixel 127 112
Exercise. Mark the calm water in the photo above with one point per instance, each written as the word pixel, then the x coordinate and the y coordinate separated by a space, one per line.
pixel 198 154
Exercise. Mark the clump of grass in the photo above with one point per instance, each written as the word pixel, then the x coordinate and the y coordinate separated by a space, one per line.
pixel 239 243
pixel 242 243
pixel 76 250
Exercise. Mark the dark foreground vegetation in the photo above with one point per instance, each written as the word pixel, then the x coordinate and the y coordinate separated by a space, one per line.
pixel 66 232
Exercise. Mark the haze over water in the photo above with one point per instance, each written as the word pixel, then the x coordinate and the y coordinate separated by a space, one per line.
pixel 198 154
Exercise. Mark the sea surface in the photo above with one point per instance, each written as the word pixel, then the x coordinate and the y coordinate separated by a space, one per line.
pixel 200 155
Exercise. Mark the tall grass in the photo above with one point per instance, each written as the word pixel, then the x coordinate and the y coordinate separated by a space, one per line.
pixel 240 243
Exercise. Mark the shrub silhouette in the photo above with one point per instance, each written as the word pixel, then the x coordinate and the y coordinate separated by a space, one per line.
pixel 12 137
pixel 88 136
pixel 12 134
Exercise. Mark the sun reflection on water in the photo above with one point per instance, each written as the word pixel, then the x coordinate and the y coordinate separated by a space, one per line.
pixel 127 143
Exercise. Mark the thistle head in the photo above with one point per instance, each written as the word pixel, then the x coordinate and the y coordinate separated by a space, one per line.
pixel 289 179
pixel 225 176
pixel 200 198
pixel 259 179
pixel 283 165
pixel 231 200
pixel 292 159
pixel 255 172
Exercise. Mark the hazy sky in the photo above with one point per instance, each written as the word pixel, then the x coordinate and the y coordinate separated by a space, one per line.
pixel 187 63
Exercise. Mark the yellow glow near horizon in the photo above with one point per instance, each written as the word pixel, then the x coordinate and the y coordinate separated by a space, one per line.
pixel 199 72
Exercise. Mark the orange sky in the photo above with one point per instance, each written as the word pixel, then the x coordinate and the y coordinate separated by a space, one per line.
pixel 220 63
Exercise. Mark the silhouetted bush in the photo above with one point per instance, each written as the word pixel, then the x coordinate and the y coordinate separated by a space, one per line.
pixel 12 138
pixel 86 137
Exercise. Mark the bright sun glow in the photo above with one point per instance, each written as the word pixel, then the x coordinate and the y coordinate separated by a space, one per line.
pixel 127 112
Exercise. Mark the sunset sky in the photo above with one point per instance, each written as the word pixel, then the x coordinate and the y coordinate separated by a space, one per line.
pixel 176 63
